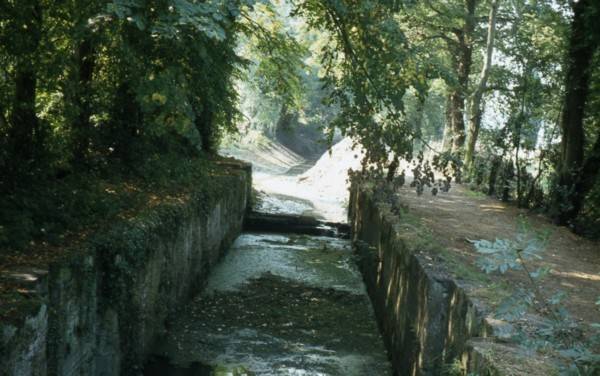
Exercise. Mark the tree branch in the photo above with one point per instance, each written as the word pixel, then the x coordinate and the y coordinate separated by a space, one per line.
pixel 439 12
pixel 349 50
pixel 445 38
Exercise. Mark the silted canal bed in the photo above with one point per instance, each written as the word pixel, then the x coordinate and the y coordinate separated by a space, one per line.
pixel 277 305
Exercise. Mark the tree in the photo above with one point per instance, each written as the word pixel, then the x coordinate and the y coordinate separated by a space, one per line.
pixel 575 174
pixel 368 71
pixel 461 62
pixel 85 44
pixel 477 96
pixel 449 29
pixel 22 36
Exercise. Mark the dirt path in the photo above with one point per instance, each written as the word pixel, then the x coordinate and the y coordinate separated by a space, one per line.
pixel 462 215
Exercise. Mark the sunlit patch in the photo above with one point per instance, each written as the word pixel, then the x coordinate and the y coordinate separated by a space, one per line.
pixel 580 275
pixel 24 277
pixel 492 208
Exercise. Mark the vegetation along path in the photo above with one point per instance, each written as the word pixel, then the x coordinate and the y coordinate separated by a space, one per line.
pixel 457 218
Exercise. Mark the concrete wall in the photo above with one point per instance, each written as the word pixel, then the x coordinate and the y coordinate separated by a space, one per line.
pixel 429 323
pixel 99 310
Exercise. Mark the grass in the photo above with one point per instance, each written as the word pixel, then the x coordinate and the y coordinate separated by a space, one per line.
pixel 422 238
pixel 474 194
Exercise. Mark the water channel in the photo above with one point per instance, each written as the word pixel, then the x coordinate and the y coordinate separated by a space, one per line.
pixel 277 304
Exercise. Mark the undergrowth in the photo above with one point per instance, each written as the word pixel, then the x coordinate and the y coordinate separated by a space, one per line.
pixel 557 332
pixel 48 211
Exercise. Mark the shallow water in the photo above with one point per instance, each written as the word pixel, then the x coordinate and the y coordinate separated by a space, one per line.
pixel 315 261
pixel 282 204
pixel 279 305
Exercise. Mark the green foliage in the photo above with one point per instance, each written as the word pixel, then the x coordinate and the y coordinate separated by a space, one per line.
pixel 90 83
pixel 112 77
pixel 384 60
pixel 94 92
pixel 557 331
pixel 274 84
pixel 527 81
pixel 278 57
pixel 504 254
pixel 367 72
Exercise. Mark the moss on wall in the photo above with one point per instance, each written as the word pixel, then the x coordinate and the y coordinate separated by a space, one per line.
pixel 107 298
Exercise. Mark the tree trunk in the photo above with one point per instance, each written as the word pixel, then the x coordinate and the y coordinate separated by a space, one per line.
pixel 25 134
pixel 3 121
pixel 205 126
pixel 284 122
pixel 458 122
pixel 476 103
pixel 462 65
pixel 569 199
pixel 447 139
pixel 518 131
pixel 496 163
pixel 518 164
pixel 590 172
pixel 24 120
pixel 126 120
pixel 418 126
pixel 81 125
pixel 508 173
pixel 392 168
pixel 586 179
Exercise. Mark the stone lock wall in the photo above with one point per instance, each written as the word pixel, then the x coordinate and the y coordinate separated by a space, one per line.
pixel 100 309
pixel 428 321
